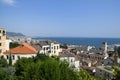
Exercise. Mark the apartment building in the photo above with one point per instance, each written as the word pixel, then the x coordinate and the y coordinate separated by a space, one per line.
pixel 2 41
pixel 104 72
pixel 49 48
pixel 71 59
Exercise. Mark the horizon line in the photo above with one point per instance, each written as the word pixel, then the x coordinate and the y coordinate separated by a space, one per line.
pixel 69 37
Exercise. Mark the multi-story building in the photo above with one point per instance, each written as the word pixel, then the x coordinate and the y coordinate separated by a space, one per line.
pixel 104 72
pixel 49 48
pixel 2 41
pixel 71 59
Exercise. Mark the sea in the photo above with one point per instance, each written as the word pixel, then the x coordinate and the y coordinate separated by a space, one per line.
pixel 97 42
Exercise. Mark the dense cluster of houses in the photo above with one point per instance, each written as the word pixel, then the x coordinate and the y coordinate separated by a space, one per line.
pixel 96 61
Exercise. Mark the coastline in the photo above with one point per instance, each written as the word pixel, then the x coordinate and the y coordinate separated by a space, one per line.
pixel 85 41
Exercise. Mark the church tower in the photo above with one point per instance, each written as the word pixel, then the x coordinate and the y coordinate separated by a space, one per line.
pixel 104 48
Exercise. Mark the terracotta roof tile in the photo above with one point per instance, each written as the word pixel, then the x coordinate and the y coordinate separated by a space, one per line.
pixel 22 49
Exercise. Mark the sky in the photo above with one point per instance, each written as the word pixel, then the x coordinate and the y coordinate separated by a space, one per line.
pixel 61 18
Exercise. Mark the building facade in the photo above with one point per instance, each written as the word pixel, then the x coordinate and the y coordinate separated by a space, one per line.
pixel 104 72
pixel 49 48
pixel 105 49
pixel 21 51
pixel 70 58
pixel 2 41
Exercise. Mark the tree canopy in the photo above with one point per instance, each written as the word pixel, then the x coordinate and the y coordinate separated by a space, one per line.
pixel 3 62
pixel 45 68
pixel 41 67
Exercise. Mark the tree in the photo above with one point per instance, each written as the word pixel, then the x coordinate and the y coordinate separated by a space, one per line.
pixel 116 72
pixel 13 45
pixel 67 73
pixel 45 68
pixel 21 64
pixel 4 75
pixel 84 75
pixel 41 57
pixel 10 59
pixel 3 62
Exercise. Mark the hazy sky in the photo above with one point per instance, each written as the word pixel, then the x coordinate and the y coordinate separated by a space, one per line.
pixel 76 18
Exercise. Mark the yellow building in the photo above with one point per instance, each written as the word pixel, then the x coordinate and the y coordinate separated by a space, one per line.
pixel 2 41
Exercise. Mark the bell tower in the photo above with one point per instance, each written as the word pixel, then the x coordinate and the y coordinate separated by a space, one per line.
pixel 104 48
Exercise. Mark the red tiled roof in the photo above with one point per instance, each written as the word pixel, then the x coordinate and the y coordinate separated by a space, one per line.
pixel 22 49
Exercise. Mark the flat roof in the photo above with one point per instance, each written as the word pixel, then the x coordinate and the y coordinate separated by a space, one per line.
pixel 106 69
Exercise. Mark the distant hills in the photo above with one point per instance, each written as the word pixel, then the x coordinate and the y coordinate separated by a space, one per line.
pixel 14 34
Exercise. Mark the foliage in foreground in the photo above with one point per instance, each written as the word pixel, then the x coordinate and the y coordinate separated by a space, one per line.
pixel 4 75
pixel 117 72
pixel 44 68
pixel 3 62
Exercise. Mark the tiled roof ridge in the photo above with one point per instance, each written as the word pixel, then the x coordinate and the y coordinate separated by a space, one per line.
pixel 22 49
pixel 30 47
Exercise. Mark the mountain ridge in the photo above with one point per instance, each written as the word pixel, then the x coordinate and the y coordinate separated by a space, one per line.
pixel 14 34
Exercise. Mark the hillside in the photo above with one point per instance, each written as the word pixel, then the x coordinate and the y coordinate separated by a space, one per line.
pixel 14 34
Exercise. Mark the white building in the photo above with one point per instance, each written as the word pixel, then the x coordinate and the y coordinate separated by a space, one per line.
pixel 23 50
pixel 47 47
pixel 105 49
pixel 8 41
pixel 113 47
pixel 70 58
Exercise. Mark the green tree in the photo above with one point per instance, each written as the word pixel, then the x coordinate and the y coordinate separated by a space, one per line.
pixel 32 72
pixel 84 75
pixel 13 45
pixel 48 69
pixel 21 64
pixel 4 75
pixel 41 57
pixel 116 72
pixel 10 59
pixel 44 70
pixel 3 62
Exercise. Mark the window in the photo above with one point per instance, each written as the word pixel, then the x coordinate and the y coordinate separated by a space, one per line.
pixel 54 47
pixel 71 60
pixel 7 56
pixel 4 33
pixel 47 48
pixel 18 57
pixel 0 44
pixel 51 47
pixel 44 48
pixel 57 47
pixel 0 37
pixel 13 57
pixel 0 31
pixel 0 51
